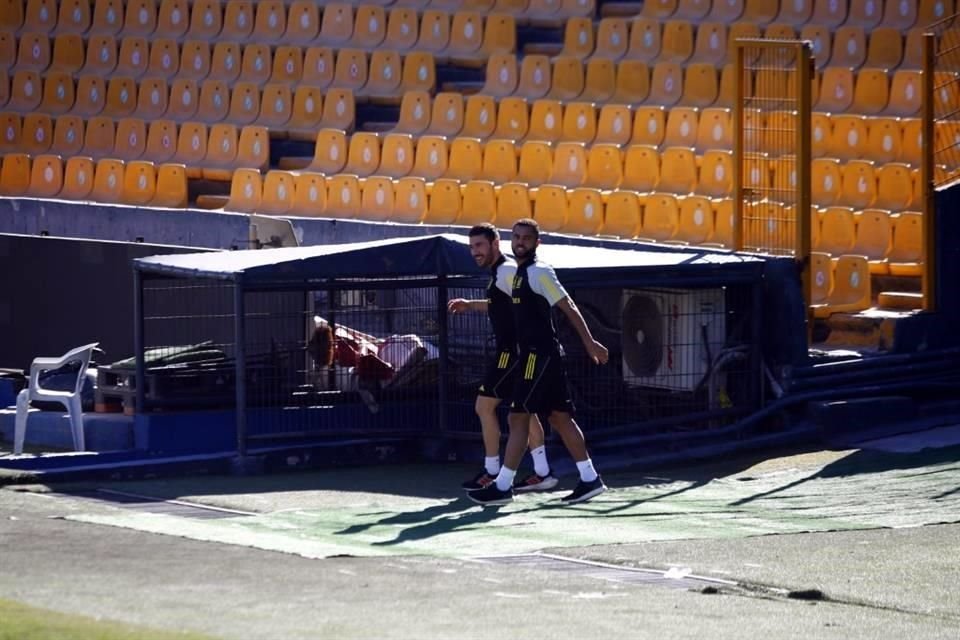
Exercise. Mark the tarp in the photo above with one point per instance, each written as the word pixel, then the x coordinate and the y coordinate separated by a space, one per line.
pixel 426 256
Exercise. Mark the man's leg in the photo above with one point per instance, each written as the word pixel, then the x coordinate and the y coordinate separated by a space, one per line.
pixel 590 484
pixel 486 408
pixel 541 479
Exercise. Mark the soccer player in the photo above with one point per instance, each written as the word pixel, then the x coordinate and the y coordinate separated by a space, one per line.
pixel 542 385
pixel 501 371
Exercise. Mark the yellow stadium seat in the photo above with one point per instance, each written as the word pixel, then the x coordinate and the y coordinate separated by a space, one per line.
pixel 825 181
pixel 40 16
pixel 107 17
pixel 501 75
pixel 614 124
pixel 569 165
pixel 121 97
pixel 238 19
pixel 874 238
pixel 101 57
pixel 578 40
pixel 865 13
pixel 930 11
pixel 287 65
pixel 849 47
pixel 885 48
pixel 710 45
pixel 99 137
pixel 173 19
pixel 849 138
pixel 894 187
pixel 344 196
pixel 604 166
pixel 695 10
pixel 821 43
pixel 837 231
pixel 34 52
pixel 339 109
pixel 946 91
pixel 410 202
pixel 695 220
pixel 536 162
pixel 363 154
pixel 714 129
pixel 257 64
pixel 318 67
pixel 431 158
pixel 152 98
pixel 369 27
pixel 723 223
pixel 677 41
pixel 633 82
pixel 206 21
pixel 499 161
pixel 419 72
pixel 446 203
pixel 568 79
pixel 678 171
pixel 466 159
pixel 434 31
pixel 681 128
pixel 612 39
pixel 15 174
pixel 851 287
pixel 108 181
pixel 649 126
pixel 623 217
pixel 270 23
pixel 513 203
pixel 58 93
pixel 600 81
pixel 716 174
pixel 68 136
pixel 641 168
pixel 829 13
pixel 661 217
pixel 78 176
pixel 535 77
pixel 244 103
pixel 214 101
pixel 666 84
pixel 141 18
pixel 8 49
pixel 905 93
pixel 821 134
pixel 161 145
pixel 769 227
pixel 36 134
pixel 184 100
pixel 246 191
pixel 226 63
pixel 191 147
pixel 836 93
pixel 659 8
pixel 546 121
pixel 700 86
pixel 479 203
pixel 415 111
pixel 336 26
pixel 396 156
pixel 871 92
pixel 726 96
pixel 278 193
pixel 821 275
pixel 859 188
pixel 906 252
pixel 739 31
pixel 275 106
pixel 579 122
pixel 26 89
pixel 11 15
pixel 884 139
pixel 584 212
pixel 310 194
pixel 646 38
pixel 402 29
pixel 46 176
pixel 466 38
pixel 377 198
pixel 306 113
pixel 783 181
pixel 447 115
pixel 139 183
pixel 131 140
pixel 795 13
pixel 913 49
pixel 550 207
pixel 384 76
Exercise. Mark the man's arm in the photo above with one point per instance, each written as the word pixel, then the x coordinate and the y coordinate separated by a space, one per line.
pixel 459 305
pixel 597 352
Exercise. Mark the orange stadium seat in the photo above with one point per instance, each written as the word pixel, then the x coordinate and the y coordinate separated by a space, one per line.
pixel 714 129
pixel 396 156
pixel 256 64
pixel 894 187
pixel 446 203
pixel 716 174
pixel 499 161
pixel 246 191
pixel 535 164
pixel 600 81
pixel 287 65
pixel 447 114
pixel 678 171
pixel 225 64
pixel 40 16
pixel 58 93
pixel 884 139
pixel 46 176
pixel 613 38
pixel 700 86
pixel 339 109
pixel 403 29
pixel 885 48
pixel 306 112
pixel 550 207
pixel 238 18
pixel 604 166
pixel 68 135
pixel 8 49
pixel 677 41
pixel 646 38
pixel 681 128
pixel 859 188
pixel 78 176
pixel 173 19
pixel 410 203
pixel 614 124
pixel 849 137
pixel 26 90
pixel 710 45
pixel 131 139
pixel 585 212
pixel 849 47
pixel 11 15
pixel 303 25
pixel 36 134
pixel 99 137
pixel 465 160
pixel 501 75
pixel 152 99
pixel 310 194
pixel 535 77
pixel 141 18
pixel 108 181
pixel 351 70
pixel 661 217
pixel 33 53
pixel 695 220
pixel 513 202
pixel 206 20
pixel 578 40
pixel 369 27
pixel 377 198
pixel 633 82
pixel 579 122
pixel 906 253
pixel 164 59
pixel 567 82
pixel 666 84
pixel 108 16
pixel 133 58
pixel 336 25
pixel 330 152
pixel 434 31
pixel 384 75
pixel 641 168
pixel 161 145
pixel 874 238
pixel 139 183
pixel 837 231
pixel 279 188
pixel 270 22
pixel 244 103
pixel 871 92
pixel 15 174
pixel 318 67
pixel 821 43
pixel 363 154
pixel 623 214
pixel 275 107
pixel 480 117
pixel 649 126
pixel 121 97
pixel 569 165
pixel 431 158
pixel 214 102
pixel 479 203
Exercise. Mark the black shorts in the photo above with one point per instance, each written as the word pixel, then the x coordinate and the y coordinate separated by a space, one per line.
pixel 498 380
pixel 541 385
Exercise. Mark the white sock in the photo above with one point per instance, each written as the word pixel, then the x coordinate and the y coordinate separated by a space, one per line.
pixel 492 465
pixel 505 478
pixel 587 472
pixel 540 464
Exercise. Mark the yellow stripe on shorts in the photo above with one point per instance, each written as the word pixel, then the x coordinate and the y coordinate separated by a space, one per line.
pixel 531 364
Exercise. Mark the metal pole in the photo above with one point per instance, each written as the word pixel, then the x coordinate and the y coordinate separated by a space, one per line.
pixel 738 90
pixel 240 373
pixel 138 341
pixel 927 177
pixel 444 335
pixel 803 248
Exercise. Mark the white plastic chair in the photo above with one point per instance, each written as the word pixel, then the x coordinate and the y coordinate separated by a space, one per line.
pixel 69 399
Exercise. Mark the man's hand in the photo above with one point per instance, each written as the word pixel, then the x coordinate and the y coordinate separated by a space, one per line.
pixel 597 352
pixel 458 305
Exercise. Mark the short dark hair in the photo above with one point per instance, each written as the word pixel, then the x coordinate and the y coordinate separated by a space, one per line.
pixel 528 222
pixel 484 229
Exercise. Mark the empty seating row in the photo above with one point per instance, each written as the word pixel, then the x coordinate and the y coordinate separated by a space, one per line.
pixel 138 183
pixel 305 21
pixel 891 243
pixel 898 14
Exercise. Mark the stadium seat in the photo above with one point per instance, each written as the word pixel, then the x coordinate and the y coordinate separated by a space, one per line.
pixel 402 29
pixel 641 168
pixel 139 183
pixel 465 160
pixel 99 137
pixel 677 41
pixel 820 39
pixel 681 127
pixel 578 38
pixel 419 72
pixel 501 76
pixel 68 136
pixel 15 175
pixel 396 155
pixel 513 203
pixel 410 200
pixel 913 49
pixel 434 31
pixel 192 147
pixel 306 113
pixel 613 38
pixel 710 45
pixel 278 193
pixel 171 187
pixel 226 63
pixel 825 181
pixel 623 217
pixel 46 176
pixel 431 159
pixel 849 137
pixel 714 129
pixel 946 91
pixel 716 174
pixel 479 203
pixel 584 212
pixel 499 161
pixel 568 79
pixel 865 13
pixel 369 27
pixel 108 181
pixel 141 18
pixel 535 164
pixel 445 203
pixel 894 187
pixel 569 165
pixel 678 171
pixel 466 39
pixel 604 166
pixel 614 124
pixel 884 49
pixel 769 227
pixel 415 113
pixel 161 145
pixel 11 15
pixel 535 77
pixel 40 16
pixel 275 107
pixel 270 22
pixel 287 65
pixel 256 64
pixel 661 217
pixel 600 81
pixel 318 67
pixel 726 95
pixel 173 19
pixel 851 287
pixel 579 122
pixel 837 231
pixel 649 126
pixel 121 97
pixel 33 53
pixel 696 221
pixel 659 8
pixel 871 92
pixel 700 85
pixel 58 93
pixel 107 18
pixel 930 11
pixel 343 196
pixel 131 140
pixel 363 154
pixel 783 181
pixel 884 139
pixel 244 104
pixel 8 49
pixel 546 121
pixel 310 194
pixel 550 207
pixel 214 101
pixel 849 47
pixel 821 276
pixel 447 116
pixel 739 31
pixel 859 188
pixel 829 13
pixel 377 199
pixel 339 109
pixel 666 84
pixel 26 90
pixel 246 191
pixel 646 39
pixel 36 134
pixel 206 21
pixel 906 252
pixel 821 134
pixel 874 238
pixel 633 82
pixel 836 93
pixel 384 76
pixel 238 20
pixel 101 56
pixel 152 99
pixel 78 175
pixel 184 100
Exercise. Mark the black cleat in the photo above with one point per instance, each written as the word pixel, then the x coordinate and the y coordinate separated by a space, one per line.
pixel 491 495
pixel 479 481
pixel 584 491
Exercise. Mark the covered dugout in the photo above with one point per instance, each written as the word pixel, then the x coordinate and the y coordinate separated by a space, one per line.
pixel 342 341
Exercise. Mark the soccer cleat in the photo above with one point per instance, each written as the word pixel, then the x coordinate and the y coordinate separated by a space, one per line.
pixel 584 491
pixel 479 481
pixel 534 482
pixel 491 495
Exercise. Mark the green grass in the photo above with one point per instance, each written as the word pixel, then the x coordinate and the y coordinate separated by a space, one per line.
pixel 22 622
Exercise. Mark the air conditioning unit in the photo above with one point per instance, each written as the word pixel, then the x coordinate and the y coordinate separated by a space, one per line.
pixel 670 335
